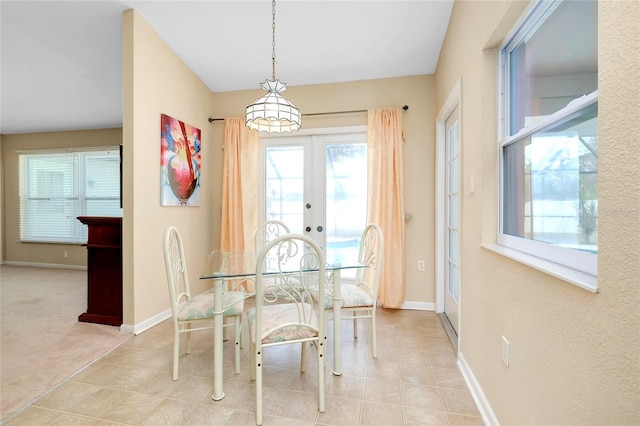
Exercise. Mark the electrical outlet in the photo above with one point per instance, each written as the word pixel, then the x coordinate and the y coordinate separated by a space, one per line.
pixel 66 254
pixel 505 351
pixel 421 265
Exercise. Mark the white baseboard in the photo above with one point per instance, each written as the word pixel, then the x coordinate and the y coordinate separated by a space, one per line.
pixel 45 265
pixel 146 324
pixel 486 412
pixel 418 306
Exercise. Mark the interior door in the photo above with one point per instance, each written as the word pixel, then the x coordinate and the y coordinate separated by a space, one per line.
pixel 317 185
pixel 452 219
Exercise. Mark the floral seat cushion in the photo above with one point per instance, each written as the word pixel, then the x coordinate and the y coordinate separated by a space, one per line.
pixel 352 297
pixel 201 306
pixel 274 316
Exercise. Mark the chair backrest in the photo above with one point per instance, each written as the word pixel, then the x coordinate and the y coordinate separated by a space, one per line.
pixel 371 254
pixel 294 268
pixel 267 232
pixel 176 266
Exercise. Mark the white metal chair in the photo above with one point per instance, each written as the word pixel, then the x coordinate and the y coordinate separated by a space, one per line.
pixel 187 309
pixel 267 232
pixel 360 297
pixel 287 270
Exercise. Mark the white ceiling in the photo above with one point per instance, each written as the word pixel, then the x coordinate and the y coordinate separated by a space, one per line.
pixel 61 61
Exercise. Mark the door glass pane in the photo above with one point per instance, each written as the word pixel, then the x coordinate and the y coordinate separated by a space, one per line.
pixel 453 287
pixel 453 141
pixel 454 173
pixel 346 200
pixel 454 248
pixel 284 185
pixel 453 211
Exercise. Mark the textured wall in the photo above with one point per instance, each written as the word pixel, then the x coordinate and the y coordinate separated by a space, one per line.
pixel 1 206
pixel 574 354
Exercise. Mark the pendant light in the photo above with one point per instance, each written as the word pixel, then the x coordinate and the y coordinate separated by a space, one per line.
pixel 272 113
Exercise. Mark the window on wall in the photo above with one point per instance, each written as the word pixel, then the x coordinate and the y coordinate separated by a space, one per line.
pixel 58 186
pixel 548 136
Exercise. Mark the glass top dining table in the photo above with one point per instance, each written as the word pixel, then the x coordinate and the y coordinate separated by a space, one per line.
pixel 227 265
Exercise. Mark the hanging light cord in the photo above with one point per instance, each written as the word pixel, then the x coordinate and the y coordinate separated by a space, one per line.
pixel 273 39
pixel 272 112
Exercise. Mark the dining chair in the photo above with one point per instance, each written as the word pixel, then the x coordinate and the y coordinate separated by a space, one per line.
pixel 285 311
pixel 188 309
pixel 360 297
pixel 267 232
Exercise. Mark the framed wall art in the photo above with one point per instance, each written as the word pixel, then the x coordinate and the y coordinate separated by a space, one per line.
pixel 180 146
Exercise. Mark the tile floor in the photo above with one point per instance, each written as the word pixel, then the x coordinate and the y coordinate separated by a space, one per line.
pixel 414 381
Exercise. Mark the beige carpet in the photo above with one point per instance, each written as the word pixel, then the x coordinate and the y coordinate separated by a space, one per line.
pixel 42 341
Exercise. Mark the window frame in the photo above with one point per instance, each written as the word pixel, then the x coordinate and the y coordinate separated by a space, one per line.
pixel 574 266
pixel 79 178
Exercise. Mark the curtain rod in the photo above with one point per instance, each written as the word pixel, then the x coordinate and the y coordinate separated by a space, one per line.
pixel 406 107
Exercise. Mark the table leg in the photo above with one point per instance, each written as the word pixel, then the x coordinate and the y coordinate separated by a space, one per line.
pixel 218 390
pixel 337 326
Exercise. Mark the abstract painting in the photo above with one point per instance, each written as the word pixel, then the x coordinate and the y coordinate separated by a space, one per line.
pixel 180 146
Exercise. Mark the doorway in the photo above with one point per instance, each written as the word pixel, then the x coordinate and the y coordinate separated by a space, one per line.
pixel 448 204
pixel 452 220
pixel 316 183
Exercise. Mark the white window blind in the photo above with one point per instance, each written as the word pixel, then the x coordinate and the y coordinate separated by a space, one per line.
pixel 58 186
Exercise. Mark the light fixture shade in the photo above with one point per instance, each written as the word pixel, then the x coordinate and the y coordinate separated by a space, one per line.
pixel 272 113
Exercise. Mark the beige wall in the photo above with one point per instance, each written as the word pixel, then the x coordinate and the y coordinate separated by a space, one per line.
pixel 157 82
pixel 1 205
pixel 574 354
pixel 418 93
pixel 35 253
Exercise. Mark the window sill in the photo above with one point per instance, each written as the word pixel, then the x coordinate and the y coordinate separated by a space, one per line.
pixel 577 278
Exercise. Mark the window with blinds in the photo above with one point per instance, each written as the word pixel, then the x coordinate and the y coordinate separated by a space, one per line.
pixel 58 186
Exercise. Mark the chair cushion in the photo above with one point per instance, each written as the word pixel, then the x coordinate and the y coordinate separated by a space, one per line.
pixel 275 315
pixel 352 297
pixel 201 306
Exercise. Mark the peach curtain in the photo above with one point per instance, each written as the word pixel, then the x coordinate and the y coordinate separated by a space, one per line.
pixel 385 201
pixel 239 217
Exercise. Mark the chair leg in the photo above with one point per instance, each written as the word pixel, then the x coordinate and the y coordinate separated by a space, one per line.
pixel 176 352
pixel 238 326
pixel 303 357
pixel 258 367
pixel 241 325
pixel 321 365
pixel 188 339
pixel 252 359
pixel 374 344
pixel 355 326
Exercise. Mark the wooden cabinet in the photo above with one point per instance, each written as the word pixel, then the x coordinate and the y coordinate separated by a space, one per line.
pixel 104 270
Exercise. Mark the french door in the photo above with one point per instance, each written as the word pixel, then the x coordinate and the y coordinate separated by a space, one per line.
pixel 317 185
pixel 452 219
